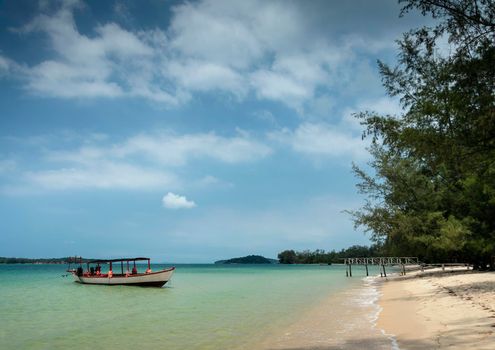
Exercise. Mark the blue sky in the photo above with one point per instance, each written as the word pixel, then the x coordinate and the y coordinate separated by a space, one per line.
pixel 186 131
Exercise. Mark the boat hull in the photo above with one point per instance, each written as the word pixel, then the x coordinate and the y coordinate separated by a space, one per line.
pixel 153 279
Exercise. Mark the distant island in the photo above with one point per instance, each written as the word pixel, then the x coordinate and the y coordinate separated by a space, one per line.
pixel 250 259
pixel 66 260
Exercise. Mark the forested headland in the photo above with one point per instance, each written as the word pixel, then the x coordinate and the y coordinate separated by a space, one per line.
pixel 430 186
pixel 322 257
pixel 4 260
pixel 250 259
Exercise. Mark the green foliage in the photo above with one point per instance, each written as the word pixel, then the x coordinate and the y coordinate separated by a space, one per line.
pixel 287 257
pixel 321 257
pixel 432 193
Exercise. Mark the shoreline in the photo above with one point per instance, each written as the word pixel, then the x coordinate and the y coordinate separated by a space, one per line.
pixel 343 320
pixel 435 309
pixel 439 310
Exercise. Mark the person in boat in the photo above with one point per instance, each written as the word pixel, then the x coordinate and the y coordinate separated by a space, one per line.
pixel 158 279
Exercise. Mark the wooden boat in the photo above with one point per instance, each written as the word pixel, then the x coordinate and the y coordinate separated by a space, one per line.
pixel 93 274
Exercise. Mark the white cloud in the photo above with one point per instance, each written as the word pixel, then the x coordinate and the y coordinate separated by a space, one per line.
pixel 141 162
pixel 384 106
pixel 169 149
pixel 174 201
pixel 270 50
pixel 4 65
pixel 216 31
pixel 280 87
pixel 209 181
pixel 371 44
pixel 123 44
pixel 59 79
pixel 101 176
pixel 265 115
pixel 207 76
pixel 174 150
pixel 320 139
pixel 112 63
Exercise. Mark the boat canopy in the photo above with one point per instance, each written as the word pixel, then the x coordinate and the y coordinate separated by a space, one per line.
pixel 103 261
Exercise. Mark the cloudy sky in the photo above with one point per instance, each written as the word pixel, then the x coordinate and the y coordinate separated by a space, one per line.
pixel 186 131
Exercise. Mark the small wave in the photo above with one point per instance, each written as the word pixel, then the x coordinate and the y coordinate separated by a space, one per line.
pixel 370 296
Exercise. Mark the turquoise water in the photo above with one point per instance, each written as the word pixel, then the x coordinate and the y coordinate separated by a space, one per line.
pixel 203 307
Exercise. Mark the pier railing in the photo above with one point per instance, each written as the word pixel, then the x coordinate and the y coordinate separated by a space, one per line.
pixel 389 261
pixel 401 261
pixel 381 261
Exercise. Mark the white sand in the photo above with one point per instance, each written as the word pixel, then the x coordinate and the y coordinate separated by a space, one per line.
pixel 443 311
pixel 431 310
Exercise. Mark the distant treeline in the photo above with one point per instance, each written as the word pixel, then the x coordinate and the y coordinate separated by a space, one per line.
pixel 4 260
pixel 322 257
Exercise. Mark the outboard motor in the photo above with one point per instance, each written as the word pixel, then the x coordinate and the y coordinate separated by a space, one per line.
pixel 79 271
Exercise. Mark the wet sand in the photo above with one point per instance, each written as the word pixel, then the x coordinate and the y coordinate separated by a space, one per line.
pixel 342 321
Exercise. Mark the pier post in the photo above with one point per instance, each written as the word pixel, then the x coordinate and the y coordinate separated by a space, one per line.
pixel 382 263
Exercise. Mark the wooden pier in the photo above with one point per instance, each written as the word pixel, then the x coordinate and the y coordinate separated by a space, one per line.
pixel 382 262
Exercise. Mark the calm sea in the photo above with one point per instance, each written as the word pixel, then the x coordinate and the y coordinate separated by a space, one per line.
pixel 203 307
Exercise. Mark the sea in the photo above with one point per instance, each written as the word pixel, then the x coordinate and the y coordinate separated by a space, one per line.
pixel 203 307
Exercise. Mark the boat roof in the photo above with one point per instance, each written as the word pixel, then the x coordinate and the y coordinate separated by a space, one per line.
pixel 100 261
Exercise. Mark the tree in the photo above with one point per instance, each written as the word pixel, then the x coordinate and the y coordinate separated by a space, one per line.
pixel 432 193
pixel 319 256
pixel 287 257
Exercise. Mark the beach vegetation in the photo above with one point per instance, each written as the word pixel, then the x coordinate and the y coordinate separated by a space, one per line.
pixel 320 256
pixel 287 257
pixel 430 186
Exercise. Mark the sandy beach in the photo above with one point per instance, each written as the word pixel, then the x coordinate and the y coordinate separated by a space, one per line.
pixel 423 310
pixel 440 311
pixel 341 321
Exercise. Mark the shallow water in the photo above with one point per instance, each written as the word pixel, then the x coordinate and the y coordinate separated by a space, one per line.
pixel 204 306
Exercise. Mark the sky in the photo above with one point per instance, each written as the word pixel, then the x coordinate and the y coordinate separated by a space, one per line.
pixel 187 131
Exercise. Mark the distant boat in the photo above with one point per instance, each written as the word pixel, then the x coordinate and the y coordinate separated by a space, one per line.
pixel 93 274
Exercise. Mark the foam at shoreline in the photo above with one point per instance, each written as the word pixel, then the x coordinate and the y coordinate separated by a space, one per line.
pixel 373 289
pixel 343 320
